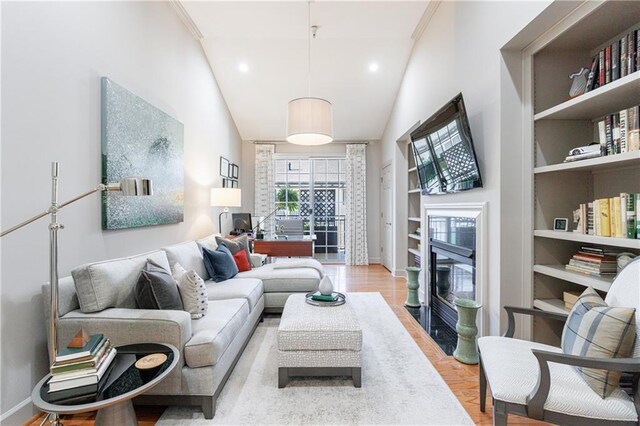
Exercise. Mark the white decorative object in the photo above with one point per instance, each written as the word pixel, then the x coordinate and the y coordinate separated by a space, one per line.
pixel 192 290
pixel 264 188
pixel 579 85
pixel 326 286
pixel 356 206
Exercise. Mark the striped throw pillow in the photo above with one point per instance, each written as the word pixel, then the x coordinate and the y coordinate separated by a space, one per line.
pixel 594 329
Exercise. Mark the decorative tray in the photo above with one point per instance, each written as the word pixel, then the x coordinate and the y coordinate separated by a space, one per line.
pixel 341 300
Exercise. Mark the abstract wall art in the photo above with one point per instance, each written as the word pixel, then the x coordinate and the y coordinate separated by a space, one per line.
pixel 138 139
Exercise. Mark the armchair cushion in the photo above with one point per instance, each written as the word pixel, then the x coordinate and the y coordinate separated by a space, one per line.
pixel 594 329
pixel 512 372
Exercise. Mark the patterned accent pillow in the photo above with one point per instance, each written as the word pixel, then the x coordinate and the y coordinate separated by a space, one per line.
pixel 193 291
pixel 594 329
pixel 236 244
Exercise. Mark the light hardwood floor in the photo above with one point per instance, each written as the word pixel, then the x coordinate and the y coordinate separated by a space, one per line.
pixel 461 378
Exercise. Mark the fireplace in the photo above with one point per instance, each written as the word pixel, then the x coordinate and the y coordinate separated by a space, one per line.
pixel 452 264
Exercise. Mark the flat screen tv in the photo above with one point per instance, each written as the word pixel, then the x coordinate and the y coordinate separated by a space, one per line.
pixel 444 153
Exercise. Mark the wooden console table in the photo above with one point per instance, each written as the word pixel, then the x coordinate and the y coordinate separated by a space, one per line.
pixel 284 248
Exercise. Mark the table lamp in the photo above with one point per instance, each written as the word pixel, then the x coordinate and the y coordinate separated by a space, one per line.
pixel 134 186
pixel 226 198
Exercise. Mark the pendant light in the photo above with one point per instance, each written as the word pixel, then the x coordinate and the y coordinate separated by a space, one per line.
pixel 309 119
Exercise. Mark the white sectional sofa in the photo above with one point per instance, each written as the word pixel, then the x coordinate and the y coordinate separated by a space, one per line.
pixel 99 298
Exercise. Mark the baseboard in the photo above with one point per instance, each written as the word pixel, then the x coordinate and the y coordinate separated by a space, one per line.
pixel 19 414
pixel 374 260
pixel 399 273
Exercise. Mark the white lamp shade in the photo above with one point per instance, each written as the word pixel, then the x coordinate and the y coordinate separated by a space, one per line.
pixel 226 197
pixel 309 121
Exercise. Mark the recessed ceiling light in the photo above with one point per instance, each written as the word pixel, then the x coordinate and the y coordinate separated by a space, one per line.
pixel 243 67
pixel 373 67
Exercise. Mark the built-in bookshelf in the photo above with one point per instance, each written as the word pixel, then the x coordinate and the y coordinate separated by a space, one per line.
pixel 560 124
pixel 413 209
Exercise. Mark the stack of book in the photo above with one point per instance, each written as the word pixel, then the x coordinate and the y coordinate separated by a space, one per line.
pixel 593 261
pixel 80 372
pixel 611 217
pixel 615 61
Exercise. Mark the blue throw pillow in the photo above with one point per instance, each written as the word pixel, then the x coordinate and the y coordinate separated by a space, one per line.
pixel 219 263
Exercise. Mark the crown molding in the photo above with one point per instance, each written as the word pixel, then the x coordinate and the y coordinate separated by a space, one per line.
pixel 184 16
pixel 425 19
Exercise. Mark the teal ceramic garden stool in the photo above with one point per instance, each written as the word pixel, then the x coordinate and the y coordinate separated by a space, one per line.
pixel 412 287
pixel 467 348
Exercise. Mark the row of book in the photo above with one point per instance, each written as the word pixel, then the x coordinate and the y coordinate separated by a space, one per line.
pixel 593 261
pixel 618 60
pixel 611 217
pixel 81 371
pixel 620 132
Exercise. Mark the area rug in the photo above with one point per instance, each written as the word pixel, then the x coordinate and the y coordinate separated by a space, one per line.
pixel 399 384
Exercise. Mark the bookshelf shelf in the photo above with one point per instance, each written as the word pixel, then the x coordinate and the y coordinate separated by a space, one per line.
pixel 414 191
pixel 589 239
pixel 558 271
pixel 609 162
pixel 550 305
pixel 622 93
pixel 414 252
pixel 414 236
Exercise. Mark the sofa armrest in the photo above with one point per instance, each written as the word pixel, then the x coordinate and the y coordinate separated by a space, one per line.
pixel 257 260
pixel 127 326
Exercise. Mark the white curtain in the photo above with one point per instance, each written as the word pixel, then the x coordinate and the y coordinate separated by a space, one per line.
pixel 265 197
pixel 356 206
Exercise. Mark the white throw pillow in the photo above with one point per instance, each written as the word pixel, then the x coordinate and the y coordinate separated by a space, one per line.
pixel 192 290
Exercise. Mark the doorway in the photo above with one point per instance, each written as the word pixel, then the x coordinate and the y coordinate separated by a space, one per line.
pixel 386 197
pixel 312 189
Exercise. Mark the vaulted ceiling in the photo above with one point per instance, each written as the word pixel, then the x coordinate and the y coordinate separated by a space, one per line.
pixel 259 55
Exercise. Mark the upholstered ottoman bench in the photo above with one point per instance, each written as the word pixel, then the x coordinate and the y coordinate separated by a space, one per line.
pixel 318 341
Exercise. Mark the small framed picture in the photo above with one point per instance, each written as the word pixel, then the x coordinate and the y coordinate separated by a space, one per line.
pixel 235 184
pixel 224 167
pixel 235 171
pixel 561 224
pixel 226 183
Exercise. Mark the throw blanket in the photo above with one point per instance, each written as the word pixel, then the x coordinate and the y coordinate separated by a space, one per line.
pixel 302 263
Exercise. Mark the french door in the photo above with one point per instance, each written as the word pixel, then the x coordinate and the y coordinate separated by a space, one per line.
pixel 312 189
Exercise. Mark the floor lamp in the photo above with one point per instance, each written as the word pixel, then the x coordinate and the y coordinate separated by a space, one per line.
pixel 128 186
pixel 225 197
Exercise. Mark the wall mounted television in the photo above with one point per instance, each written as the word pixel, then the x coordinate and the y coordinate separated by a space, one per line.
pixel 443 150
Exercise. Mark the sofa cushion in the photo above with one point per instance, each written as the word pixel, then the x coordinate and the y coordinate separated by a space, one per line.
pixel 208 242
pixel 219 263
pixel 211 335
pixel 284 280
pixel 189 256
pixel 192 290
pixel 242 261
pixel 236 288
pixel 512 373
pixel 110 283
pixel 594 329
pixel 235 245
pixel 156 289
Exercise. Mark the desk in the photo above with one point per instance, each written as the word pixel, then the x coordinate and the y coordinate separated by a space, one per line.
pixel 275 248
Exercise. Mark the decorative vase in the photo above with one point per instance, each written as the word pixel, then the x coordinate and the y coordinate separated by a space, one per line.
pixel 442 280
pixel 467 348
pixel 412 287
pixel 326 286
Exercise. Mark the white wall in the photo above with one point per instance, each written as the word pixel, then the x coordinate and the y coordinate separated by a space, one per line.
pixel 374 165
pixel 460 52
pixel 53 55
